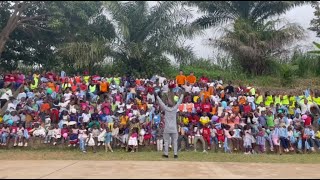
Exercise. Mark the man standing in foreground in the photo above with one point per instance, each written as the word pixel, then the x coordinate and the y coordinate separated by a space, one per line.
pixel 170 123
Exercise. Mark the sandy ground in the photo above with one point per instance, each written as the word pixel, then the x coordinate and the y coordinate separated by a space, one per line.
pixel 152 169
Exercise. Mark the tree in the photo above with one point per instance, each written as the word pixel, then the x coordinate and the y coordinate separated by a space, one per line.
pixel 61 22
pixel 315 23
pixel 254 38
pixel 24 13
pixel 145 35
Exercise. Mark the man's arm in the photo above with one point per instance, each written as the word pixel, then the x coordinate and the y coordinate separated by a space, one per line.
pixel 162 105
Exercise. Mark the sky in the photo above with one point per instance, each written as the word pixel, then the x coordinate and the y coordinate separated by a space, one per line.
pixel 301 15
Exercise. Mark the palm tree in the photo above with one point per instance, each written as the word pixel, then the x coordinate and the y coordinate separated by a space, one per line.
pixel 145 36
pixel 254 37
pixel 315 52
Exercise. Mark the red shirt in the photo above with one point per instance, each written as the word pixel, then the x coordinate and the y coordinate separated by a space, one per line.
pixel 197 107
pixel 307 122
pixel 206 132
pixel 7 78
pixel 150 89
pixel 12 78
pixel 204 79
pixel 246 108
pixel 206 107
pixel 83 87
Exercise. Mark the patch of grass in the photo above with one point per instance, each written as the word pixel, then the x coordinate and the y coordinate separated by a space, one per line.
pixel 75 154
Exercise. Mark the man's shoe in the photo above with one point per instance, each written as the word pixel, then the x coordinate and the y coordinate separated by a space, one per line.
pixel 165 156
pixel 175 156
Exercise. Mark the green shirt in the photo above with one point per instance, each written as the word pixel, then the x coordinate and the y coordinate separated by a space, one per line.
pixel 270 121
pixel 94 123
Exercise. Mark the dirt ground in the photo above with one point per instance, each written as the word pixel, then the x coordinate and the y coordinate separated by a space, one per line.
pixel 44 169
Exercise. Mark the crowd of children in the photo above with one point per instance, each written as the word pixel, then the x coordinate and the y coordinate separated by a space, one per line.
pixel 88 111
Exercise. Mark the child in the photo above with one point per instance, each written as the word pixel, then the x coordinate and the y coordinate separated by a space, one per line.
pixel 141 135
pixel 108 139
pixel 64 132
pixel 13 133
pixel 90 141
pixel 317 138
pixel 56 134
pixel 261 140
pixel 283 133
pixel 101 137
pixel 207 135
pixel 226 132
pixel 49 135
pixel 133 139
pixel 220 135
pixel 247 140
pixel 275 139
pixel 159 136
pixel 236 137
pixel 20 132
pixel 74 136
pixel 198 136
pixel 83 135
pixel 190 136
pixel 5 134
pixel 291 137
pixel 95 133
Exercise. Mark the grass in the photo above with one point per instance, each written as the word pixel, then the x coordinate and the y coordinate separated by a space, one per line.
pixel 75 154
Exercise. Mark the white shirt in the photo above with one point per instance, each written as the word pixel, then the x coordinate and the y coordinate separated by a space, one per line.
pixel 250 99
pixel 195 89
pixel 6 95
pixel 86 117
pixel 187 88
pixel 67 96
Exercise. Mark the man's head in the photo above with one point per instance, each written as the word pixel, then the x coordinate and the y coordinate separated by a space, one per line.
pixel 181 72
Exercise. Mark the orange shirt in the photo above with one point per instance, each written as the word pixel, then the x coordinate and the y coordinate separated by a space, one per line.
pixel 138 82
pixel 242 100
pixel 104 86
pixel 123 120
pixel 214 110
pixel 74 88
pixel 191 79
pixel 211 90
pixel 78 79
pixel 143 106
pixel 205 94
pixel 45 107
pixel 181 79
pixel 51 86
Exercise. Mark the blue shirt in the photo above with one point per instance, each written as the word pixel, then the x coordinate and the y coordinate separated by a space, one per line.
pixel 108 137
pixel 283 132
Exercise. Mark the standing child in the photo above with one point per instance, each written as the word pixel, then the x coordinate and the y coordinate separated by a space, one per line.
pixel 20 134
pixel 236 137
pixel 159 133
pixel 261 140
pixel 133 140
pixel 247 140
pixel 49 135
pixel 83 135
pixel 56 134
pixel 292 138
pixel 91 143
pixel 108 139
pixel 74 136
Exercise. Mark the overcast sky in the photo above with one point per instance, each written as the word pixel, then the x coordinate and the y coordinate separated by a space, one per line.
pixel 301 15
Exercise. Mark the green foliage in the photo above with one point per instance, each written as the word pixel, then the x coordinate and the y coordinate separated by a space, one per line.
pixel 146 36
pixel 254 39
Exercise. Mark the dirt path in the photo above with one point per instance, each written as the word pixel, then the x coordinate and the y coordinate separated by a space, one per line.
pixel 152 169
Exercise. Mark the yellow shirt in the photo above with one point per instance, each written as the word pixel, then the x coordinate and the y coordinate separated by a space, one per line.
pixel 285 100
pixel 204 120
pixel 317 100
pixel 259 99
pixel 185 120
pixel 195 98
